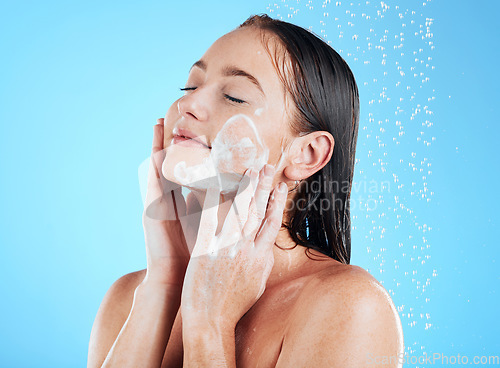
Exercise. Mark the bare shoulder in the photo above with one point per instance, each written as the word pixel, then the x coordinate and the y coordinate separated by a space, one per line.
pixel 111 316
pixel 343 315
pixel 349 281
pixel 120 295
pixel 349 291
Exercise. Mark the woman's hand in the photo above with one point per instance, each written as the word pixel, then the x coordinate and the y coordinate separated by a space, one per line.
pixel 227 273
pixel 166 248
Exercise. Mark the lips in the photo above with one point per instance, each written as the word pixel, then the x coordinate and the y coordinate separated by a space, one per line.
pixel 183 134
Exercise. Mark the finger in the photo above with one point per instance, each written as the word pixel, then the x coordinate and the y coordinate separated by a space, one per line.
pixel 158 152
pixel 274 216
pixel 193 206
pixel 259 202
pixel 180 203
pixel 154 189
pixel 191 221
pixel 159 204
pixel 208 223
pixel 238 213
pixel 158 138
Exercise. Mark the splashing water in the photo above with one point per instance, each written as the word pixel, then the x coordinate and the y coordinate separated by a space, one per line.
pixel 389 49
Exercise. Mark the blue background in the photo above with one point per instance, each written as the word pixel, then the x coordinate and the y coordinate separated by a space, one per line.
pixel 83 82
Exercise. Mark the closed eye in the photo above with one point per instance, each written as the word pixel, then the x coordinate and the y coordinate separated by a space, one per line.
pixel 230 98
pixel 237 100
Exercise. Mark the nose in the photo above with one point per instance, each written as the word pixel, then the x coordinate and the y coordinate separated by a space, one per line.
pixel 193 105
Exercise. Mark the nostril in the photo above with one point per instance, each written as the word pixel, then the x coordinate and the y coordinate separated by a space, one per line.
pixel 191 108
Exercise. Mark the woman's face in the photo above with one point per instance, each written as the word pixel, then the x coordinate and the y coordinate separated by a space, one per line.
pixel 234 111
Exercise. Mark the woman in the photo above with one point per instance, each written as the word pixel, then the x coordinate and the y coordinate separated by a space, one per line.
pixel 253 269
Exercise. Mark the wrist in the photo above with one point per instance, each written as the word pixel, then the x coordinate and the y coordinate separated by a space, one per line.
pixel 161 278
pixel 152 289
pixel 204 328
pixel 205 342
pixel 196 317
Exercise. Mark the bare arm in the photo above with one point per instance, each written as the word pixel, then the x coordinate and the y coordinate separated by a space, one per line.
pixel 209 345
pixel 144 336
pixel 135 319
pixel 136 339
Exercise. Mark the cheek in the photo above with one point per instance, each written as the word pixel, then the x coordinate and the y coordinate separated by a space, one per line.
pixel 242 142
pixel 273 141
pixel 238 146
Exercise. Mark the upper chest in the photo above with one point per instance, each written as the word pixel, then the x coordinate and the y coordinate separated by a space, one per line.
pixel 259 333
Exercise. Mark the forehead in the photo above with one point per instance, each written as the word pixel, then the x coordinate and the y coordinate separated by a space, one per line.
pixel 243 45
pixel 243 48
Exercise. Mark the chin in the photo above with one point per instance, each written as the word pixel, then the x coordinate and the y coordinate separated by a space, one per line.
pixel 188 167
pixel 176 155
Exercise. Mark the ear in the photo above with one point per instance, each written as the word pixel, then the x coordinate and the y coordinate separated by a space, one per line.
pixel 309 154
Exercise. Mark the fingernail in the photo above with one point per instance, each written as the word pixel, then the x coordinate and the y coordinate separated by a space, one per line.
pixel 252 173
pixel 268 170
pixel 282 187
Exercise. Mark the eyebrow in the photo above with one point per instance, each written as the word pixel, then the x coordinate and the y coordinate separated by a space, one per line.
pixel 231 71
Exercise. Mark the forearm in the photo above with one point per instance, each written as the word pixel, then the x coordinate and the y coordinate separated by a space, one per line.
pixel 144 336
pixel 208 346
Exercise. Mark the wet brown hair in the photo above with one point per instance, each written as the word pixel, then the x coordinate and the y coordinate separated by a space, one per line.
pixel 325 98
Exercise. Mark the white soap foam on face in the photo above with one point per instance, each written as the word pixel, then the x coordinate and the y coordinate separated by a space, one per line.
pixel 238 146
pixel 195 174
pixel 235 148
